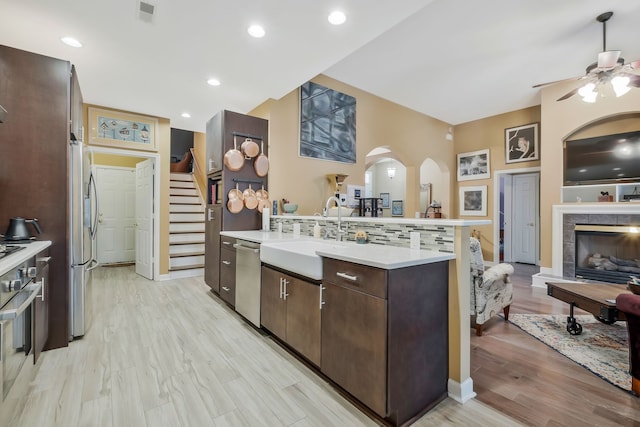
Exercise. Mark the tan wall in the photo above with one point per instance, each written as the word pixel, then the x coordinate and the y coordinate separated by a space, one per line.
pixel 113 160
pixel 412 136
pixel 490 133
pixel 164 151
pixel 565 119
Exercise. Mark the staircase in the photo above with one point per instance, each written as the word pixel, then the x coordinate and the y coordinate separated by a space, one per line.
pixel 186 227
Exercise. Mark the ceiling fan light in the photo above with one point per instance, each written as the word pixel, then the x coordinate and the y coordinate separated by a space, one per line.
pixel 621 90
pixel 587 90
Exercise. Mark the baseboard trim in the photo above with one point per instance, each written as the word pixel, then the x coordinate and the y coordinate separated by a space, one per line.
pixel 163 277
pixel 461 393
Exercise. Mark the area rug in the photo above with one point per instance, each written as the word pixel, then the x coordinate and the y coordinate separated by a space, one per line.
pixel 600 348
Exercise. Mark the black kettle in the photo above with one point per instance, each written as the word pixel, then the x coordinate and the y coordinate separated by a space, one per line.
pixel 18 228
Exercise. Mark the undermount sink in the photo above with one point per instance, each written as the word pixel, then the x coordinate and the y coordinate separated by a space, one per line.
pixel 297 256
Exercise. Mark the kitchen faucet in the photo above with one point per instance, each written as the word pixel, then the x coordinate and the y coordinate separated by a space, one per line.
pixel 340 233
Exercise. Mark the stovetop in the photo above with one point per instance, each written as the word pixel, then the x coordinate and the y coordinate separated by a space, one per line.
pixel 8 250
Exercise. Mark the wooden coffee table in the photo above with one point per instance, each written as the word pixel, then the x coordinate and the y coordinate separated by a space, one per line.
pixel 598 299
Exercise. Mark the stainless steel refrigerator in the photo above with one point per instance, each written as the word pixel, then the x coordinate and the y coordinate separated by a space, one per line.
pixel 83 205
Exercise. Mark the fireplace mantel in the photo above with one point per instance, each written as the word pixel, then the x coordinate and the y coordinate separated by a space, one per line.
pixel 622 213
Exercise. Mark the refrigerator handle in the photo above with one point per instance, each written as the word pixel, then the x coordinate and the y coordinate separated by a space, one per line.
pixel 92 186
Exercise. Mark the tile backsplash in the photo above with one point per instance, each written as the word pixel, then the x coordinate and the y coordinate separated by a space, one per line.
pixel 432 237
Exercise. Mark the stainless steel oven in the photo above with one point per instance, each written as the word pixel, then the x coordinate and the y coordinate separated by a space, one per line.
pixel 17 292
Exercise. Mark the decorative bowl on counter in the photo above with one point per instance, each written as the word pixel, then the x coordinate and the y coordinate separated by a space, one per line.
pixel 290 207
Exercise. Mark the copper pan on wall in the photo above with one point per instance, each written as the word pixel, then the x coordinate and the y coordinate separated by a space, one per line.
pixel 236 200
pixel 234 159
pixel 261 163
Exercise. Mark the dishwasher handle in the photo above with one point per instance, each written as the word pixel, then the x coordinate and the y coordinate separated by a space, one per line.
pixel 246 248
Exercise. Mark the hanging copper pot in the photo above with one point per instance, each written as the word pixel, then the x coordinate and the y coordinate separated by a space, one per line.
pixel 263 203
pixel 250 199
pixel 236 200
pixel 233 159
pixel 250 148
pixel 261 163
pixel 262 194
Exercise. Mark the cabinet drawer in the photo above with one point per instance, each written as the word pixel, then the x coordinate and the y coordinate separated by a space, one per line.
pixel 227 243
pixel 228 276
pixel 369 280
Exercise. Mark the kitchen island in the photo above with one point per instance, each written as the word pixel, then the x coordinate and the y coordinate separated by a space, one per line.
pixel 374 321
pixel 442 235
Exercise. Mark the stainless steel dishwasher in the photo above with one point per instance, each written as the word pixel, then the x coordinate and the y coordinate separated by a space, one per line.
pixel 248 280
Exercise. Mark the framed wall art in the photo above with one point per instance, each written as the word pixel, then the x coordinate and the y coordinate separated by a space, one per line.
pixel 385 200
pixel 521 143
pixel 122 130
pixel 327 124
pixel 474 165
pixel 397 208
pixel 473 200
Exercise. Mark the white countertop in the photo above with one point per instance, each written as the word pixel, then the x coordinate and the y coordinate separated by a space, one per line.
pixel 392 220
pixel 380 256
pixel 385 257
pixel 16 258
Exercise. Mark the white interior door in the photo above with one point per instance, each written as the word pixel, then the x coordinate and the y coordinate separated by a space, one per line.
pixel 144 218
pixel 525 210
pixel 116 216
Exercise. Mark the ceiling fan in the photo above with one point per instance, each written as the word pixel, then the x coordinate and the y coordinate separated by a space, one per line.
pixel 610 68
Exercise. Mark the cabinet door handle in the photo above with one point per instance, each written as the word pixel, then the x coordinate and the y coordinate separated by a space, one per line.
pixel 211 164
pixel 322 288
pixel 281 279
pixel 226 243
pixel 224 288
pixel 347 276
pixel 209 214
pixel 226 262
pixel 285 282
pixel 43 288
pixel 44 259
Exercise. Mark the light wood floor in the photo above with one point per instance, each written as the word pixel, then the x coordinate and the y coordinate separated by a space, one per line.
pixel 172 354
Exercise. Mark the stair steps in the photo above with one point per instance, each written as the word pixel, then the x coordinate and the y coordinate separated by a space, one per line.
pixel 186 227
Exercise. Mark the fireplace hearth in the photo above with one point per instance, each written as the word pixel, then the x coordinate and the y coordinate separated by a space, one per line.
pixel 607 253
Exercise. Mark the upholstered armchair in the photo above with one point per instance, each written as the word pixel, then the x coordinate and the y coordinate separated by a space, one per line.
pixel 491 289
pixel 629 304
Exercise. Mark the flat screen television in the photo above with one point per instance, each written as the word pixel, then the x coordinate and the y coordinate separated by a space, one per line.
pixel 602 159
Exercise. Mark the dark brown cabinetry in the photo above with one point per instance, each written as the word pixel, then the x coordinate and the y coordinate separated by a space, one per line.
pixel 35 90
pixel 222 130
pixel 228 270
pixel 384 335
pixel 212 228
pixel 290 309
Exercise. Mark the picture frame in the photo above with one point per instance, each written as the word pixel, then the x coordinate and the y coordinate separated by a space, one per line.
pixel 397 208
pixel 122 130
pixel 521 143
pixel 327 124
pixel 474 165
pixel 473 200
pixel 385 200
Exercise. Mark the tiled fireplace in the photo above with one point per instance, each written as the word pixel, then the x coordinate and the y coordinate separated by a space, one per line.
pixel 598 236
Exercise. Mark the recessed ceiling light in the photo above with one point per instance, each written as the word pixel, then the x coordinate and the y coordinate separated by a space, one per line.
pixel 616 169
pixel 70 41
pixel 337 18
pixel 213 82
pixel 186 115
pixel 256 31
pixel 582 170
